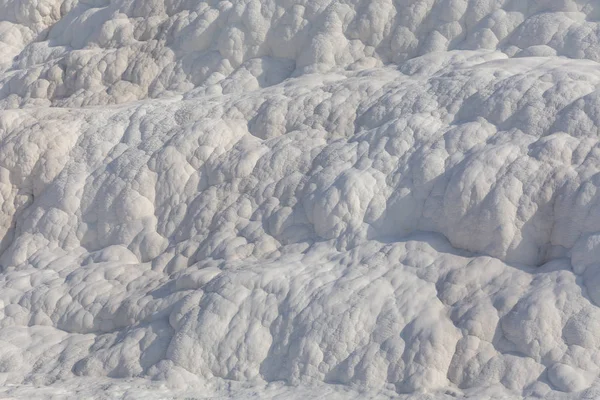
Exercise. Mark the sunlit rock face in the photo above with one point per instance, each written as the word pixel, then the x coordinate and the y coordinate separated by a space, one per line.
pixel 287 198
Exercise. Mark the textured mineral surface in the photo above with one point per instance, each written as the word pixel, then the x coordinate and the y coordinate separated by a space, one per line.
pixel 291 199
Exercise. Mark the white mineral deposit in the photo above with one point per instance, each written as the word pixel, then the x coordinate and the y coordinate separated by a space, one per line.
pixel 300 199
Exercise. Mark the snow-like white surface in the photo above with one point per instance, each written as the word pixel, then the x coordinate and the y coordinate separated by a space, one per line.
pixel 291 199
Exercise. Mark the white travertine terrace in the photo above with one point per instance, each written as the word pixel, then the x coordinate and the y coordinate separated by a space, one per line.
pixel 388 196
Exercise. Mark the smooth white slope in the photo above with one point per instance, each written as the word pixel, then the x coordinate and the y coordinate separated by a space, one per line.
pixel 389 196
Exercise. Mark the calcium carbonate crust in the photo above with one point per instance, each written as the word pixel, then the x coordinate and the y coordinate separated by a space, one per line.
pixel 388 197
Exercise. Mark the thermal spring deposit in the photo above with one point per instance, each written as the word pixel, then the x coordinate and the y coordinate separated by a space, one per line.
pixel 300 199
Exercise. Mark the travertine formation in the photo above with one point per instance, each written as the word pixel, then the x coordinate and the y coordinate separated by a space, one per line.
pixel 394 196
